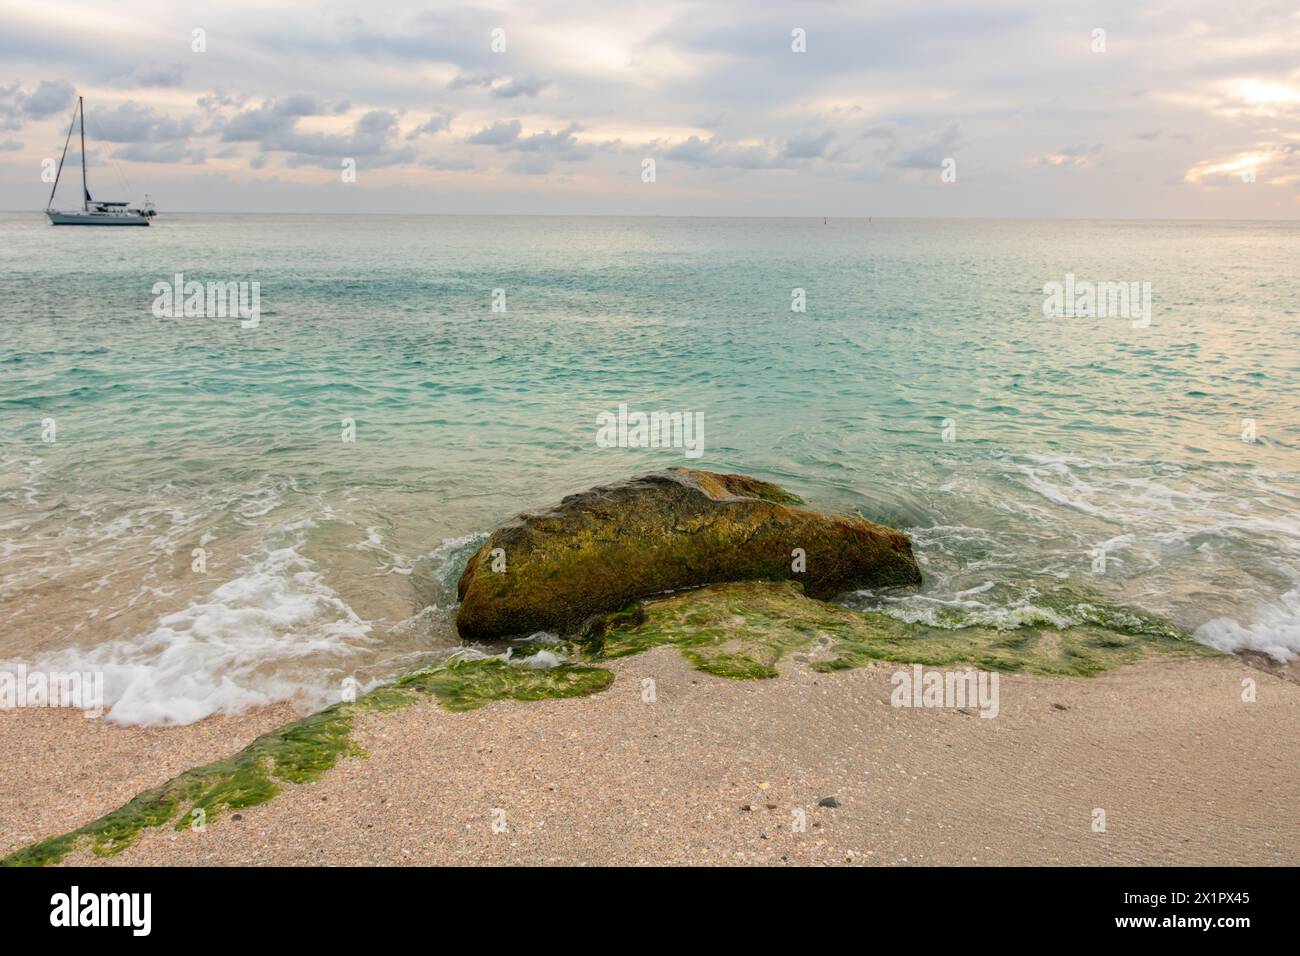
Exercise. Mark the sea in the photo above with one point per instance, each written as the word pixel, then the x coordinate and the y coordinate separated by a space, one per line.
pixel 220 514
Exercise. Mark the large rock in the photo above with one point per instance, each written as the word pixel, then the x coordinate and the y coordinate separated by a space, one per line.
pixel 559 568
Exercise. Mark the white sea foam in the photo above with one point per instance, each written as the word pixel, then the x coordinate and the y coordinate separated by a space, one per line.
pixel 1228 516
pixel 542 660
pixel 277 632
pixel 1273 630
pixel 543 637
pixel 954 612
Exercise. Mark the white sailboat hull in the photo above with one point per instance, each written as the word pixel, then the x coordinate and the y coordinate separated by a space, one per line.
pixel 95 218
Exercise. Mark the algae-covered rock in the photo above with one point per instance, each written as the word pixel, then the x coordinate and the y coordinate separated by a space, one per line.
pixel 558 569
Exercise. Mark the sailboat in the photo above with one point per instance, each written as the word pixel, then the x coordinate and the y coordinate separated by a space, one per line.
pixel 93 212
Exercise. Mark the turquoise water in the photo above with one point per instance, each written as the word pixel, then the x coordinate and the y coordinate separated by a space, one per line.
pixel 327 558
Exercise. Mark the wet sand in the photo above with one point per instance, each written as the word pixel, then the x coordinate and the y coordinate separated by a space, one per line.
pixel 723 772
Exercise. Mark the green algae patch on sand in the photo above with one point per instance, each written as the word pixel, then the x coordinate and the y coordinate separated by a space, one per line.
pixel 746 630
pixel 296 753
pixel 742 631
pixel 306 750
pixel 463 685
pixel 1079 651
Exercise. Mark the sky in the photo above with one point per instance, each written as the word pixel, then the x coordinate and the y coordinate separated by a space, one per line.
pixel 932 108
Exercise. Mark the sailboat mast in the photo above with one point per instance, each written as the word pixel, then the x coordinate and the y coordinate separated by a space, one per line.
pixel 85 190
pixel 66 140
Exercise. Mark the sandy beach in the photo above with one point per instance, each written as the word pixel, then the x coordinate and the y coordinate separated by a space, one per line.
pixel 62 769
pixel 716 771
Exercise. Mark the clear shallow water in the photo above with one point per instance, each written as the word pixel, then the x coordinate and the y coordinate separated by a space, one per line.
pixel 327 559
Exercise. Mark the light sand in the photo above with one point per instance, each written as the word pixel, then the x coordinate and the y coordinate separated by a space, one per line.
pixel 1186 772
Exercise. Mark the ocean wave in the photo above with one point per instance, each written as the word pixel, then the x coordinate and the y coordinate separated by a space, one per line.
pixel 1273 630
pixel 275 633
pixel 446 562
pixel 540 659
pixel 1003 607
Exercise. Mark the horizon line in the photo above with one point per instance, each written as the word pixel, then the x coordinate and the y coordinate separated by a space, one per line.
pixel 616 215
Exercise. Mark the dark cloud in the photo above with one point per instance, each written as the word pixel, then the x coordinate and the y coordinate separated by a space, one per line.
pixel 546 141
pixel 369 137
pixel 133 123
pixel 546 147
pixel 274 127
pixel 511 88
pixel 808 147
pixel 463 80
pixel 299 104
pixel 175 152
pixel 271 119
pixel 370 140
pixel 162 75
pixel 530 86
pixel 690 150
pixel 498 134
pixel 932 151
pixel 459 35
pixel 376 122
pixel 18 105
pixel 718 154
pixel 50 97
pixel 449 165
pixel 434 124
pixel 219 99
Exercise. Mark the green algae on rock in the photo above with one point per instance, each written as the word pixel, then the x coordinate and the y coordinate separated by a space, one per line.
pixel 558 569
pixel 306 749
pixel 745 630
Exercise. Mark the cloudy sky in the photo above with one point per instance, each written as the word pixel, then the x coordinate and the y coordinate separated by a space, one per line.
pixel 1186 103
